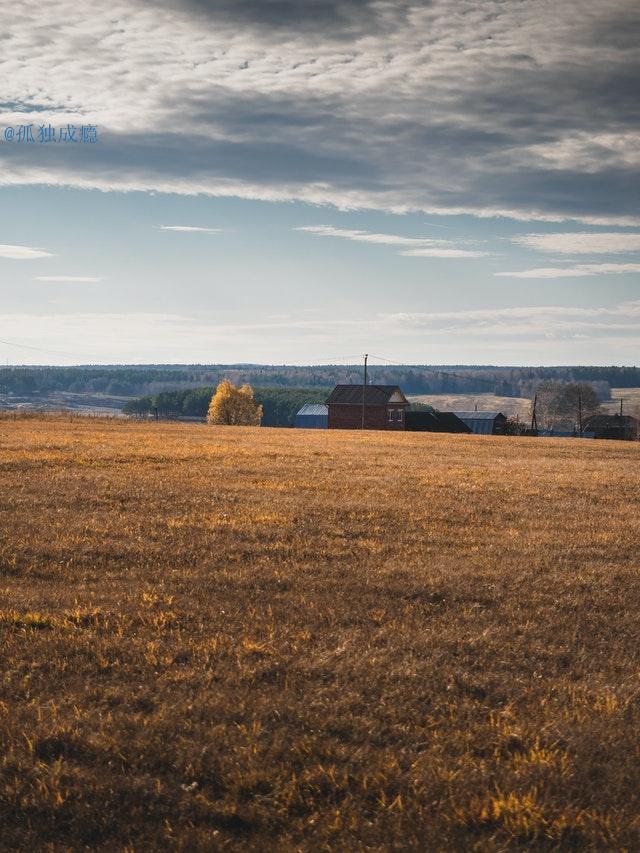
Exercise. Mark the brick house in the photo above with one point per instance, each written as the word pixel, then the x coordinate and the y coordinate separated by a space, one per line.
pixel 384 407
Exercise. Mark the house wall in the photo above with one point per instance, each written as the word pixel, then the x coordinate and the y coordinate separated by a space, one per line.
pixel 375 417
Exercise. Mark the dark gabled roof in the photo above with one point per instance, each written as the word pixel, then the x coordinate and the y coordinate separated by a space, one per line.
pixel 450 422
pixel 434 422
pixel 608 421
pixel 375 395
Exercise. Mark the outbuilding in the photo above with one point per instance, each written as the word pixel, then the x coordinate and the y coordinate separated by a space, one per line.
pixel 312 416
pixel 620 427
pixel 484 423
pixel 435 422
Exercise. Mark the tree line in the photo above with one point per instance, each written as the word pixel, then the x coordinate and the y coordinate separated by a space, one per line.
pixel 279 405
pixel 144 380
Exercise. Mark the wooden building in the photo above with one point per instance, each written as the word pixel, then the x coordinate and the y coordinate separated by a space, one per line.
pixel 435 422
pixel 312 416
pixel 620 427
pixel 384 407
pixel 484 423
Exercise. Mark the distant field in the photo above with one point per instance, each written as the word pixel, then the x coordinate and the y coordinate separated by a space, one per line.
pixel 251 639
pixel 630 401
pixel 509 406
pixel 81 403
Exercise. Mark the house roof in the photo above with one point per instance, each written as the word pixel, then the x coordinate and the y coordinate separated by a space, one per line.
pixel 375 395
pixel 313 409
pixel 450 422
pixel 435 422
pixel 600 421
pixel 481 423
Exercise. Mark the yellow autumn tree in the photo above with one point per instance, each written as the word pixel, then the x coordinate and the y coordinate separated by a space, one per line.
pixel 234 406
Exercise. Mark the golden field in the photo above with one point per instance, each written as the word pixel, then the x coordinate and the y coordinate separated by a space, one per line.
pixel 226 638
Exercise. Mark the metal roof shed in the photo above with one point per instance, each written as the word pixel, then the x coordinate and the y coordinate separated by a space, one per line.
pixel 312 416
pixel 483 423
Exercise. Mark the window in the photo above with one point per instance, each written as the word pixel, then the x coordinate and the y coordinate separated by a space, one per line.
pixel 399 414
pixel 390 415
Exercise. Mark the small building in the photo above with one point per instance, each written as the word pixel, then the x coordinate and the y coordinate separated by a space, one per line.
pixel 384 407
pixel 312 416
pixel 620 427
pixel 435 422
pixel 484 423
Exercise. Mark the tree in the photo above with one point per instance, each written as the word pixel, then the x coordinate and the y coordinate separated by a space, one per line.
pixel 234 406
pixel 560 406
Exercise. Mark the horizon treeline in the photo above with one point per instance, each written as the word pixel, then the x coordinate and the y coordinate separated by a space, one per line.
pixel 143 380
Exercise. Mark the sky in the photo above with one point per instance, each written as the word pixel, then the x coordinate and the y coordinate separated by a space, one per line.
pixel 279 181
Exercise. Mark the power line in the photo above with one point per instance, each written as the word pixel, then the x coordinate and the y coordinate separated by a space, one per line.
pixel 468 377
pixel 38 349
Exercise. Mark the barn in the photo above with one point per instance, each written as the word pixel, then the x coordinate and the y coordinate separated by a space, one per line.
pixel 380 406
pixel 312 416
pixel 620 427
pixel 484 423
pixel 435 422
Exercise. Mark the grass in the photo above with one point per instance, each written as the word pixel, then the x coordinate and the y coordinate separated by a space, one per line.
pixel 253 639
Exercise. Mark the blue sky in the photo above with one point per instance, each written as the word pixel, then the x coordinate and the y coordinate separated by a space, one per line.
pixel 287 182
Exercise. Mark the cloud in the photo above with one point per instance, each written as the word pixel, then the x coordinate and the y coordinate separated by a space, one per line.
pixel 511 334
pixel 418 247
pixel 190 228
pixel 527 324
pixel 444 253
pixel 573 272
pixel 22 253
pixel 580 243
pixel 73 279
pixel 486 108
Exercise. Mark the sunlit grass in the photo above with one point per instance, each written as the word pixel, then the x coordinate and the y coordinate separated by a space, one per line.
pixel 230 638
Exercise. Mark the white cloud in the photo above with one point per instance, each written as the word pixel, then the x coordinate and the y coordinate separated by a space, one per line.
pixel 580 243
pixel 444 253
pixel 72 279
pixel 573 272
pixel 485 108
pixel 422 247
pixel 22 253
pixel 366 236
pixel 196 228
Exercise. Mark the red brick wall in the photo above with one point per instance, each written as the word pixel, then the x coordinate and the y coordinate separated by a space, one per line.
pixel 375 417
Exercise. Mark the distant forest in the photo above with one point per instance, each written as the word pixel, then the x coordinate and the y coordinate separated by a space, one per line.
pixel 142 380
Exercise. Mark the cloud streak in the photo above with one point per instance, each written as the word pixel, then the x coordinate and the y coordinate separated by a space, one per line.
pixel 22 253
pixel 415 247
pixel 69 279
pixel 580 243
pixel 577 271
pixel 190 228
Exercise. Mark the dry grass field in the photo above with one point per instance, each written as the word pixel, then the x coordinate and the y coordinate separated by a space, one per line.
pixel 630 400
pixel 224 638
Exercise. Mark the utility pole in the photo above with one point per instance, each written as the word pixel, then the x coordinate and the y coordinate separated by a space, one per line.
pixel 364 386
pixel 621 400
pixel 580 415
pixel 534 419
